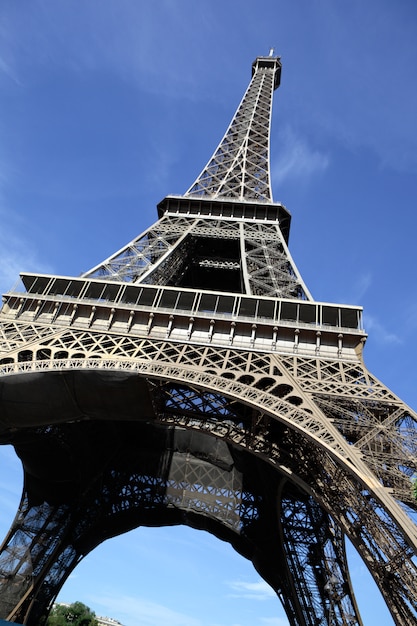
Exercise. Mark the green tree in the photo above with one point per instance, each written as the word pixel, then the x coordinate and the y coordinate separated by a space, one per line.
pixel 76 614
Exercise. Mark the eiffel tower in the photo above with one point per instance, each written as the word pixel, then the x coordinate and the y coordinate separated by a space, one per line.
pixel 191 378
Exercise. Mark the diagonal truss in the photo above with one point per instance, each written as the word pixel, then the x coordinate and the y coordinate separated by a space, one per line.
pixel 239 167
pixel 164 253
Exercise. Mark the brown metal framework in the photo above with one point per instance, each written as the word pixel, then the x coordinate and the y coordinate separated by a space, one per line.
pixel 191 378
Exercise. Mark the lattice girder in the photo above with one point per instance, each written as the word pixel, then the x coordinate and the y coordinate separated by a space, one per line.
pixel 357 404
pixel 134 260
pixel 270 268
pixel 184 486
pixel 315 548
pixel 318 432
pixel 302 457
pixel 160 255
pixel 239 167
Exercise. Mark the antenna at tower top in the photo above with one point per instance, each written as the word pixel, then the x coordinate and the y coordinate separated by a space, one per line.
pixel 271 52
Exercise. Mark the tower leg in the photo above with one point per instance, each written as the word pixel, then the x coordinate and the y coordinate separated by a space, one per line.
pixel 32 564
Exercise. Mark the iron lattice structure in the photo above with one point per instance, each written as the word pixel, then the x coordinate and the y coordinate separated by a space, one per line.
pixel 192 379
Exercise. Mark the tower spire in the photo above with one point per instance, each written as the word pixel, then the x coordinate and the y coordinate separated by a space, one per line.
pixel 190 247
pixel 239 167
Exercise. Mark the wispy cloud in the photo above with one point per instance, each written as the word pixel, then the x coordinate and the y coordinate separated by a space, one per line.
pixel 362 285
pixel 16 255
pixel 379 332
pixel 7 48
pixel 297 160
pixel 139 610
pixel 259 590
pixel 7 70
pixel 356 289
pixel 132 611
pixel 378 118
pixel 88 41
pixel 411 317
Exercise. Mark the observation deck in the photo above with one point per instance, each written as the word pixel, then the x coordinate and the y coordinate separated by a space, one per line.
pixel 204 317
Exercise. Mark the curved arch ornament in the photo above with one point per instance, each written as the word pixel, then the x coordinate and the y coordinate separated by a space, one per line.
pixel 191 378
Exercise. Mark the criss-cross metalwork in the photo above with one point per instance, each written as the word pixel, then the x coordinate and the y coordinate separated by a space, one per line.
pixel 191 378
pixel 239 168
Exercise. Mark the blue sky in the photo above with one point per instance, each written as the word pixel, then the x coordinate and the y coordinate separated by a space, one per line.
pixel 106 106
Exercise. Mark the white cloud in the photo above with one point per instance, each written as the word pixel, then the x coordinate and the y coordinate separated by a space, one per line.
pixel 296 160
pixel 16 252
pixel 259 590
pixel 132 611
pixel 362 285
pixel 6 68
pixel 411 318
pixel 16 255
pixel 379 333
pixel 357 289
pixel 9 268
pixel 52 35
pixel 275 621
